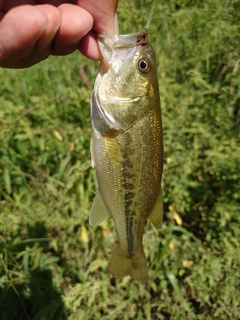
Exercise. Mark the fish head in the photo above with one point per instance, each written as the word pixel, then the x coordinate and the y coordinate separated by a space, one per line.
pixel 127 79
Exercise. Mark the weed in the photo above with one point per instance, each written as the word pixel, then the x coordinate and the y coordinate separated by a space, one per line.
pixel 52 263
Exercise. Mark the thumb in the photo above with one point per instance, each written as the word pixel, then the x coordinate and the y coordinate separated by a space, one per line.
pixel 103 13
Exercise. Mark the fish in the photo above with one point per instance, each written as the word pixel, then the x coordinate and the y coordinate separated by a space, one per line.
pixel 127 147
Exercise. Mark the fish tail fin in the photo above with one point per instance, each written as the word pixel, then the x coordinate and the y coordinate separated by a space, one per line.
pixel 121 265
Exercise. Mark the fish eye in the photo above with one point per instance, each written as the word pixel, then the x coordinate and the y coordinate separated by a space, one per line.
pixel 144 65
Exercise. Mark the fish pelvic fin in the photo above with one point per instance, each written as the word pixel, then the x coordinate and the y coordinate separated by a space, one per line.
pixel 122 265
pixel 98 212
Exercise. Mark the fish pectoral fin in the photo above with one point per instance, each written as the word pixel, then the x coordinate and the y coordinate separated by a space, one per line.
pixel 98 212
pixel 156 215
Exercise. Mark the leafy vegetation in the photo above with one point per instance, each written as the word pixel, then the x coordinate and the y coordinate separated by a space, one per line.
pixel 52 263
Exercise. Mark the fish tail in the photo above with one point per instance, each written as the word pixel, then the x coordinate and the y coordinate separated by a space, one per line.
pixel 122 265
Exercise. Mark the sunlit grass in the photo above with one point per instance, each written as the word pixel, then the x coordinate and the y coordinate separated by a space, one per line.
pixel 52 263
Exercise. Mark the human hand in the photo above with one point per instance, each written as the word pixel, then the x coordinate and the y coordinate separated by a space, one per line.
pixel 103 13
pixel 31 30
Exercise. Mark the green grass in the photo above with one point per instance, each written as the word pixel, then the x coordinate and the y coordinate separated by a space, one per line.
pixel 52 263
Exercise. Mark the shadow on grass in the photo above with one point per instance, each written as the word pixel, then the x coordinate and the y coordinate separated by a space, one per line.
pixel 31 295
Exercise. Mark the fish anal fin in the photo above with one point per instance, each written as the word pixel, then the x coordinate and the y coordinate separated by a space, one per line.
pixel 121 265
pixel 156 215
pixel 98 212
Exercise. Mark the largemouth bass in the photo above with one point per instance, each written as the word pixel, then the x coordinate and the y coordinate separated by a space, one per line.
pixel 127 147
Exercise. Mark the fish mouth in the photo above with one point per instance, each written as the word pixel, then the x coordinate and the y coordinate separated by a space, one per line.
pixel 118 41
pixel 109 45
pixel 118 98
pixel 112 94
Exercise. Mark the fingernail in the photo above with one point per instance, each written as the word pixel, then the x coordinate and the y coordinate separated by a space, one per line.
pixel 44 26
pixel 56 28
pixel 76 39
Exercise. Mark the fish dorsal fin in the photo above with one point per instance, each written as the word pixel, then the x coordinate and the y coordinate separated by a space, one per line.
pixel 98 212
pixel 156 215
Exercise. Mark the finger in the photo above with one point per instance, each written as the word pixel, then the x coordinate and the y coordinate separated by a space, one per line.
pixel 89 47
pixel 75 24
pixel 20 28
pixel 43 46
pixel 103 14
